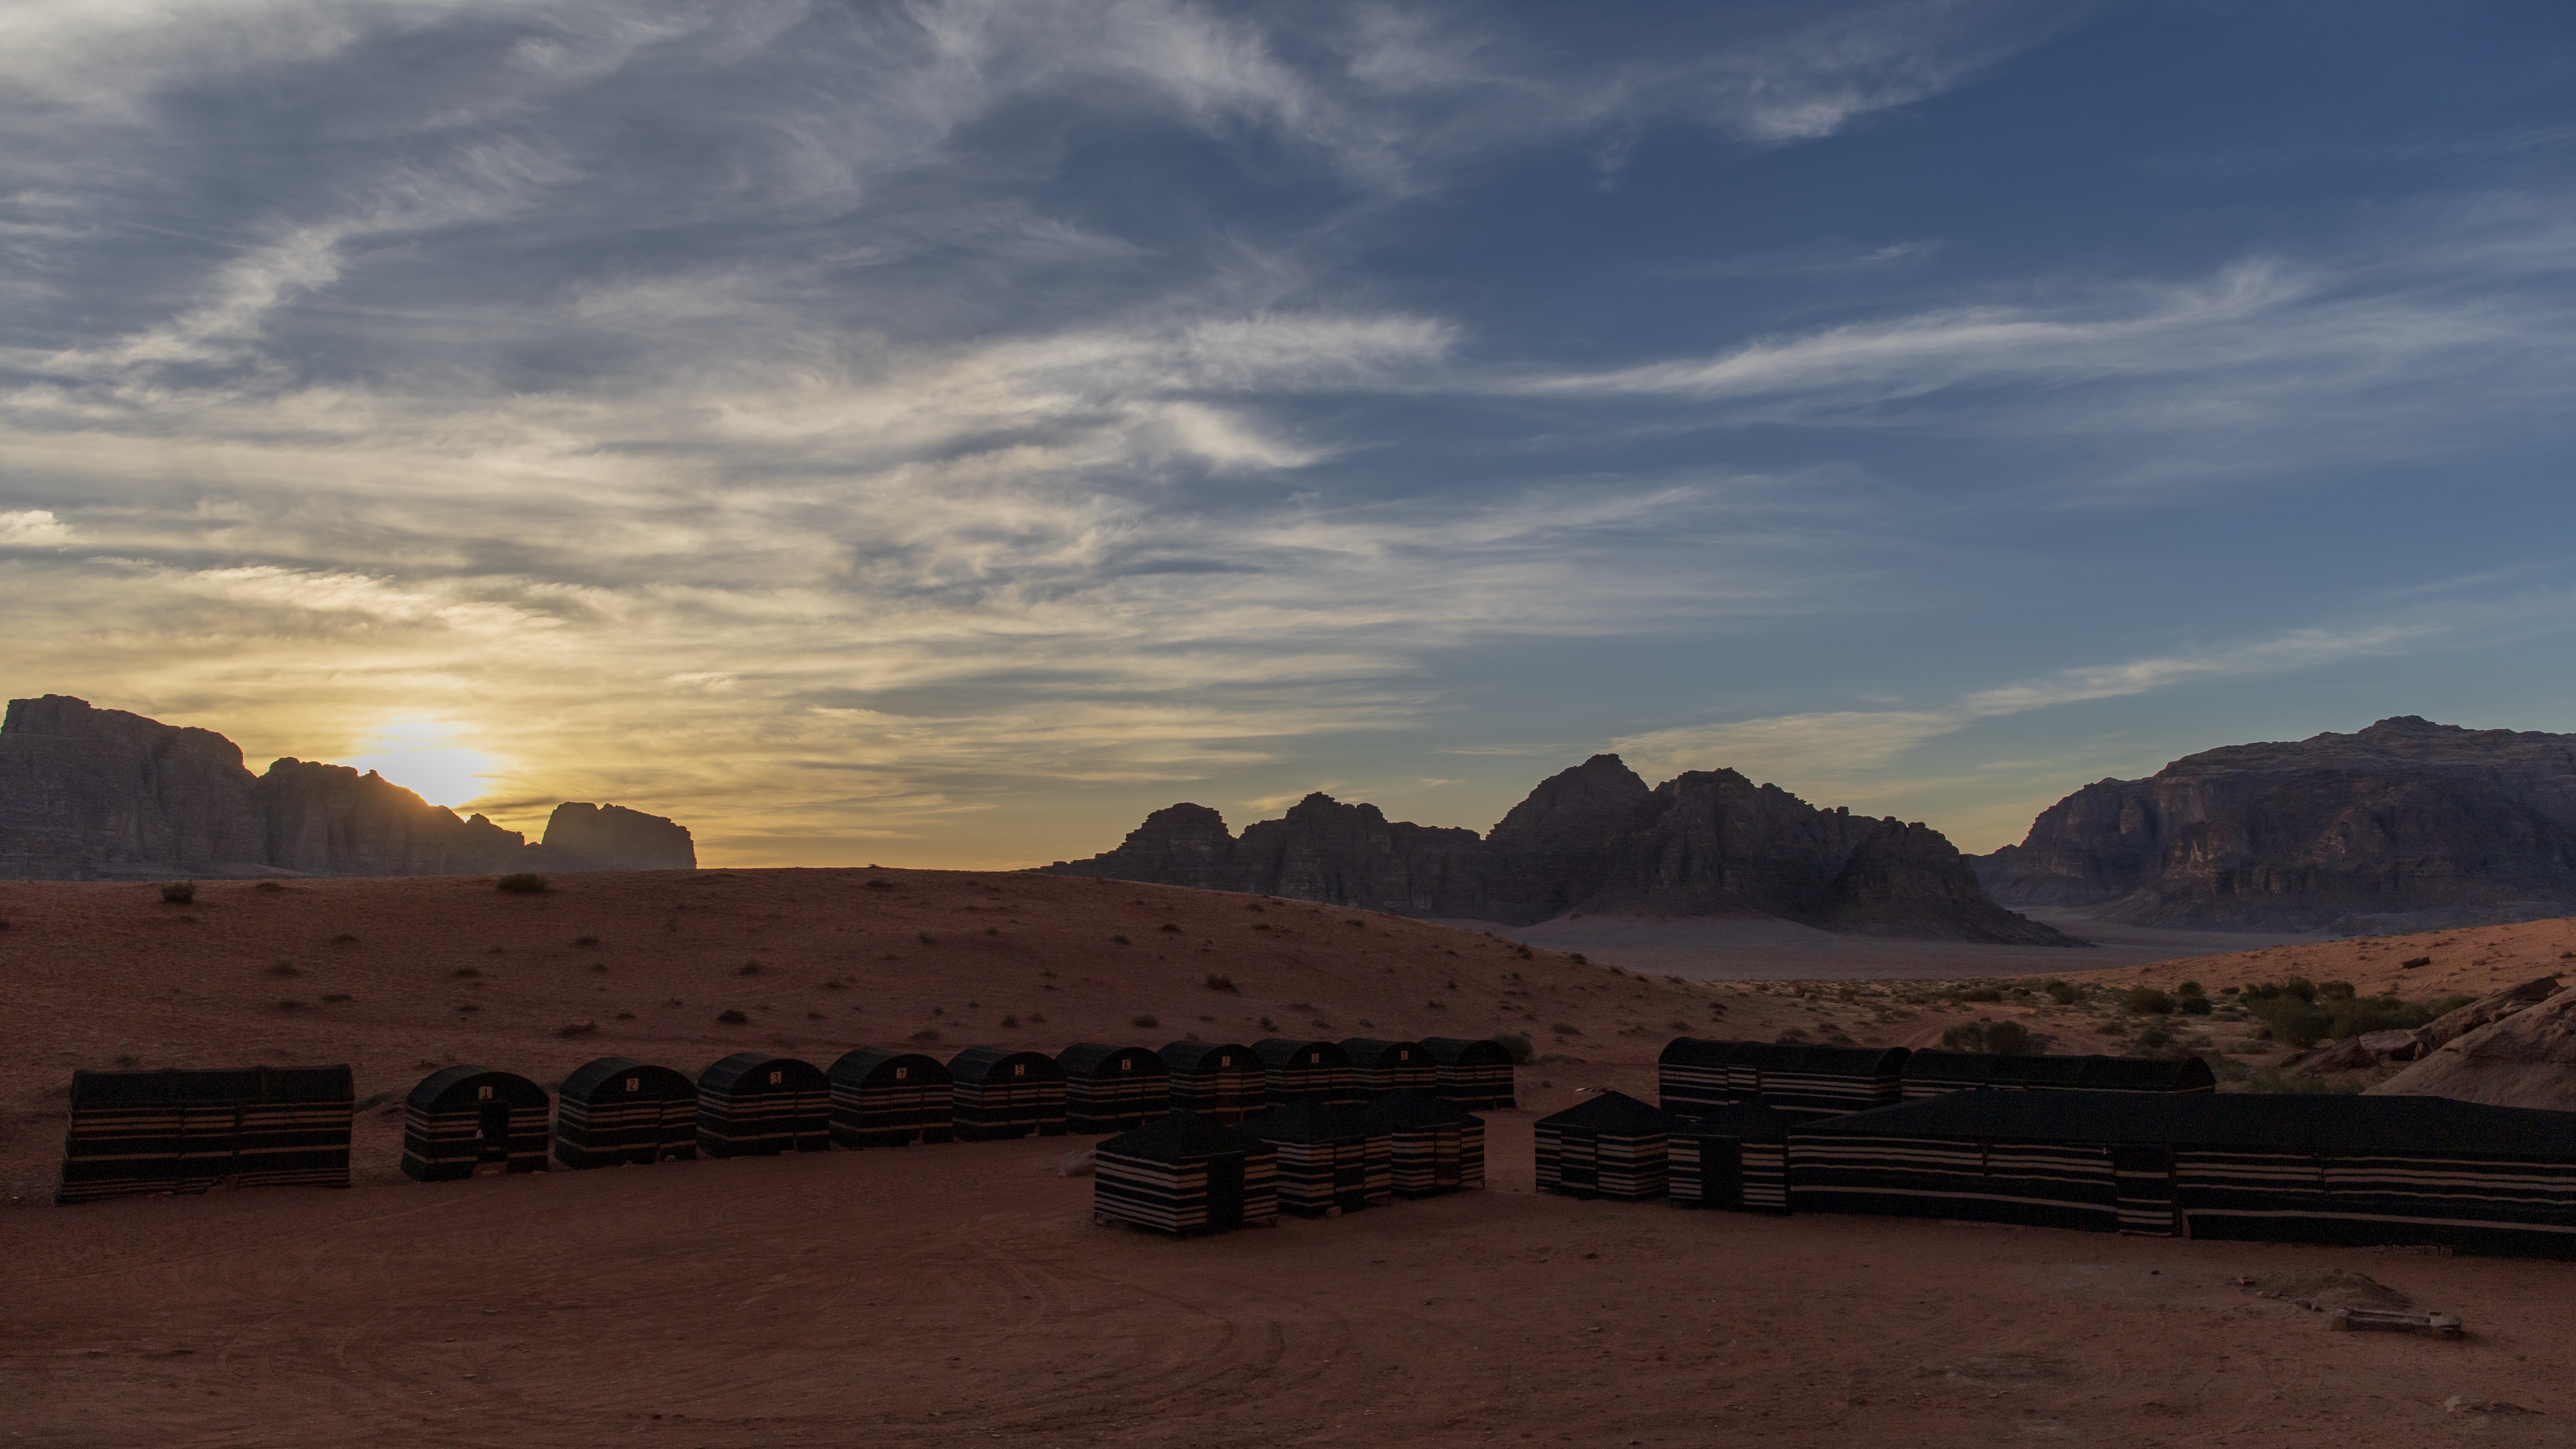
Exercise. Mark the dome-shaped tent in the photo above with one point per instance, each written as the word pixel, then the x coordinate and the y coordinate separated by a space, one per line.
pixel 1001 1093
pixel 887 1098
pixel 619 1111
pixel 752 1104
pixel 1306 1071
pixel 466 1120
pixel 1112 1088
pixel 1379 1067
pixel 1472 1073
pixel 1215 1079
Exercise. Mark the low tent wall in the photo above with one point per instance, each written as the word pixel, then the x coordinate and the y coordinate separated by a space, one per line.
pixel 185 1131
pixel 1186 1175
pixel 1734 1159
pixel 1472 1073
pixel 2276 1168
pixel 752 1104
pixel 1433 1147
pixel 1330 1161
pixel 1112 1088
pixel 1002 1094
pixel 1931 1072
pixel 1379 1067
pixel 466 1120
pixel 1813 1081
pixel 887 1098
pixel 1306 1071
pixel 617 1111
pixel 1222 1080
pixel 1609 1145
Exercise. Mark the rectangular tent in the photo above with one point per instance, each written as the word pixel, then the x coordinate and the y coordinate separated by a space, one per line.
pixel 466 1120
pixel 2276 1168
pixel 1812 1081
pixel 1608 1145
pixel 1222 1080
pixel 1433 1147
pixel 887 1098
pixel 185 1131
pixel 1112 1088
pixel 1380 1067
pixel 1472 1073
pixel 752 1104
pixel 1930 1072
pixel 1329 1160
pixel 1734 1158
pixel 1306 1071
pixel 1185 1175
pixel 618 1111
pixel 1000 1093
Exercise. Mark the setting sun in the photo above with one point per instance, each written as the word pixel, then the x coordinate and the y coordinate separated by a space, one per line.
pixel 422 756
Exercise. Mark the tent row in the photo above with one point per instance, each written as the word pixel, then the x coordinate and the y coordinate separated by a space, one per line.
pixel 2264 1167
pixel 1189 1174
pixel 187 1131
pixel 1696 1075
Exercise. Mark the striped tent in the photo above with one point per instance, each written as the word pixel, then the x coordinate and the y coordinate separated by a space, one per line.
pixel 1215 1079
pixel 1306 1071
pixel 1001 1093
pixel 617 1110
pixel 1474 1074
pixel 1329 1161
pixel 1186 1174
pixel 1433 1146
pixel 186 1131
pixel 470 1120
pixel 887 1098
pixel 1734 1157
pixel 752 1104
pixel 1812 1081
pixel 2263 1167
pixel 1929 1073
pixel 1380 1067
pixel 1112 1088
pixel 1609 1145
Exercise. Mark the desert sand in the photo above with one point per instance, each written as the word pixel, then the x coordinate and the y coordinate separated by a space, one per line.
pixel 962 1294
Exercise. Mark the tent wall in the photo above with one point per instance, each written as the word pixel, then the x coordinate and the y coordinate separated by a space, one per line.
pixel 1175 1198
pixel 883 1098
pixel 1430 1161
pixel 1691 1075
pixel 181 1131
pixel 2508 1206
pixel 1696 1076
pixel 752 1104
pixel 1929 1073
pixel 1473 1074
pixel 1220 1080
pixel 1580 1162
pixel 2040 1184
pixel 620 1112
pixel 1002 1094
pixel 1306 1071
pixel 1380 1067
pixel 468 1119
pixel 1730 1174
pixel 1112 1089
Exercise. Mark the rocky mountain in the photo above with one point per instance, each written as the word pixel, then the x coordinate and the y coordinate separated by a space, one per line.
pixel 2522 1054
pixel 95 793
pixel 2406 825
pixel 1593 839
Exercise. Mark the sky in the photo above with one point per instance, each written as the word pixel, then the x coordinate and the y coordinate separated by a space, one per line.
pixel 940 433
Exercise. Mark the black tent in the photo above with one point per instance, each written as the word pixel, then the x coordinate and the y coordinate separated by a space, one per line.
pixel 185 1131
pixel 1930 1072
pixel 1380 1067
pixel 1432 1146
pixel 1306 1071
pixel 618 1110
pixel 1185 1174
pixel 1329 1160
pixel 1474 1074
pixel 1112 1088
pixel 1001 1093
pixel 1734 1157
pixel 1215 1079
pixel 2266 1167
pixel 467 1120
pixel 1811 1081
pixel 887 1098
pixel 752 1104
pixel 1610 1145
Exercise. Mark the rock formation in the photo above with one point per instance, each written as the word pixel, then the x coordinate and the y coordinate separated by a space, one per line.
pixel 2523 1056
pixel 1595 839
pixel 88 793
pixel 2407 825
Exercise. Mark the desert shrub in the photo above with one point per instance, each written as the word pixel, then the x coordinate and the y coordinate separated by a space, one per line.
pixel 290 1006
pixel 1510 1041
pixel 1577 959
pixel 372 1101
pixel 2146 1001
pixel 925 1035
pixel 731 1017
pixel 1121 940
pixel 749 968
pixel 1219 983
pixel 522 883
pixel 928 940
pixel 2155 1036
pixel 1010 1023
pixel 2189 988
pixel 336 998
pixel 586 1028
pixel 2291 1019
pixel 2273 1079
pixel 1566 1029
pixel 1146 1018
pixel 881 885
pixel 178 892
pixel 2355 1015
pixel 1167 926
pixel 2061 993
pixel 284 968
pixel 465 973
pixel 2298 987
pixel 626 1016
pixel 1268 1025
pixel 1981 993
pixel 585 940
pixel 2192 1005
pixel 2000 1038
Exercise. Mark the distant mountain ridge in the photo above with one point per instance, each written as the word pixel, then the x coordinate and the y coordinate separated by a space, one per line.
pixel 91 793
pixel 1593 838
pixel 2405 825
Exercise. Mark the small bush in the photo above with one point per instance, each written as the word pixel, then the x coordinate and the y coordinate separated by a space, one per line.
pixel 587 1028
pixel 1268 1025
pixel 178 892
pixel 881 885
pixel 337 998
pixel 1010 1023
pixel 2146 1001
pixel 2192 1005
pixel 522 883
pixel 1219 983
pixel 464 973
pixel 585 940
pixel 2189 989
pixel 284 968
pixel 928 940
pixel 2062 993
pixel 2291 1019
pixel 1121 940
pixel 1577 959
pixel 1144 1019
pixel 925 1035
pixel 626 1016
pixel 1167 926
pixel 290 1006
pixel 749 968
pixel 731 1017
pixel 2154 1036
pixel 1981 993
pixel 1566 1029
pixel 1998 1038
pixel 1510 1041
pixel 372 1101
pixel 344 939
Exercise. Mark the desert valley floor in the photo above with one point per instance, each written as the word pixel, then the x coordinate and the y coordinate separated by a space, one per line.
pixel 962 1294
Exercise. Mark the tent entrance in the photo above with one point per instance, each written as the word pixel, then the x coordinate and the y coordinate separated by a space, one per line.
pixel 1721 1174
pixel 492 1136
pixel 2145 1178
pixel 1224 1192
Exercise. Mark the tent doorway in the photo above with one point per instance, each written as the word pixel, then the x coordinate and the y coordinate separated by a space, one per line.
pixel 1225 1192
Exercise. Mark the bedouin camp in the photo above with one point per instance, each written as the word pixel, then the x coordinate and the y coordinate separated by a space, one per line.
pixel 1002 1093
pixel 469 1120
pixel 186 1131
pixel 1433 1147
pixel 1472 1073
pixel 752 1104
pixel 1813 1081
pixel 1185 1174
pixel 887 1098
pixel 1305 1071
pixel 1608 1145
pixel 1930 1072
pixel 1380 1067
pixel 1329 1161
pixel 617 1111
pixel 2274 1167
pixel 1112 1088
pixel 1223 1080
pixel 1735 1158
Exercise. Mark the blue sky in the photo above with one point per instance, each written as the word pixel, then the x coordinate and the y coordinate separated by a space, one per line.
pixel 940 433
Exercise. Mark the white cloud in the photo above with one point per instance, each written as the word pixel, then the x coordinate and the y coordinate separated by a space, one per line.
pixel 33 528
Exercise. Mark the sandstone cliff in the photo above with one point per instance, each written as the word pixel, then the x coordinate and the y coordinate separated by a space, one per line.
pixel 2406 825
pixel 1595 839
pixel 88 793
pixel 2521 1058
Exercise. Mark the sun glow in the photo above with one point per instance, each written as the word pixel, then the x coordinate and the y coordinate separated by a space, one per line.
pixel 422 756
